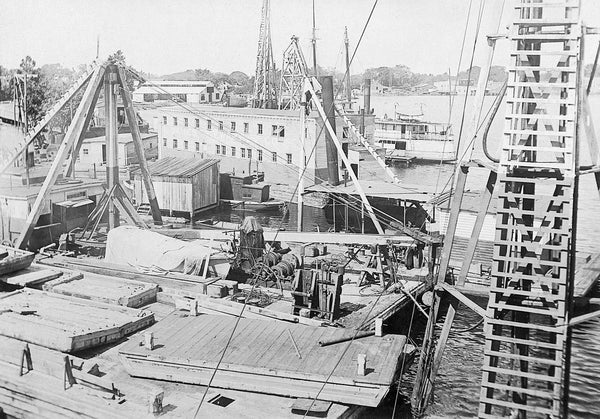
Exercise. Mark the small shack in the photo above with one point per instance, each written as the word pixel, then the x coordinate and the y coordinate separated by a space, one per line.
pixel 244 188
pixel 183 186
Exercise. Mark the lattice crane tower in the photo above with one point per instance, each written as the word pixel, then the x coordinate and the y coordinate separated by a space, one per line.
pixel 293 72
pixel 265 94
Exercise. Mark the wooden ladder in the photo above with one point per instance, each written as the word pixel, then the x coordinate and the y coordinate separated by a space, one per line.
pixel 527 346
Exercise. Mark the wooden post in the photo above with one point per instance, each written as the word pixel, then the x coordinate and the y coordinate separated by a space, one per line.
pixel 338 145
pixel 72 133
pixel 112 162
pixel 70 168
pixel 139 149
pixel 486 197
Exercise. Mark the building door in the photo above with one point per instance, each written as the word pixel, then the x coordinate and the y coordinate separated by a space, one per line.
pixel 103 153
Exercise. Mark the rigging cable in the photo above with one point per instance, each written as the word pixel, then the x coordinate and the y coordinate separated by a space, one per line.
pixel 452 98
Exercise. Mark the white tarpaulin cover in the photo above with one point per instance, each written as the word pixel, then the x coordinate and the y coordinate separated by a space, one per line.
pixel 148 250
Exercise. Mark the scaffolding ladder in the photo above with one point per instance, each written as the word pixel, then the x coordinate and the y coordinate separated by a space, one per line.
pixel 527 343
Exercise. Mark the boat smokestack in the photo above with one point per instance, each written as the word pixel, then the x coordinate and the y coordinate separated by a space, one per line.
pixel 367 96
pixel 332 157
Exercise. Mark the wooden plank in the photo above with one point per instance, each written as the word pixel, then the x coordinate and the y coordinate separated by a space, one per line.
pixel 360 395
pixel 106 289
pixel 33 275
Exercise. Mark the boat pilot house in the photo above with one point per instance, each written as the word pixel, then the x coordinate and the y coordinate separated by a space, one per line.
pixel 182 186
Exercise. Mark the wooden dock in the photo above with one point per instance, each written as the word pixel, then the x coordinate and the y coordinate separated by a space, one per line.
pixel 262 358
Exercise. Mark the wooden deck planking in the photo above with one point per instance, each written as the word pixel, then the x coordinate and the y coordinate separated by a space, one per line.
pixel 66 323
pixel 207 349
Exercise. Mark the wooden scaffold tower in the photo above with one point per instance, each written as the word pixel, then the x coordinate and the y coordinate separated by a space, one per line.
pixel 265 94
pixel 528 319
pixel 108 77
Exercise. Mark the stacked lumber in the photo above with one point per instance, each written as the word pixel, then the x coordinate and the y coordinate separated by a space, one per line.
pixel 106 289
pixel 33 383
pixel 35 275
pixel 64 323
pixel 262 357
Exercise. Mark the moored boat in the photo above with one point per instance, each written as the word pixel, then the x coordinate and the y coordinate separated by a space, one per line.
pixel 410 137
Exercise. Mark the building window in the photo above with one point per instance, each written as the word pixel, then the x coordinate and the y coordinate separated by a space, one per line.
pixel 197 146
pixel 249 153
pixel 275 157
pixel 220 125
pixel 224 150
pixel 208 124
pixel 217 96
pixel 260 128
pixel 259 155
pixel 232 126
pixel 197 123
pixel 174 120
pixel 278 131
pixel 233 151
pixel 164 142
pixel 345 132
pixel 246 127
pixel 218 149
pixel 289 158
pixel 150 146
pixel 185 122
pixel 86 151
pixel 185 144
pixel 202 97
pixel 164 120
pixel 243 152
pixel 174 143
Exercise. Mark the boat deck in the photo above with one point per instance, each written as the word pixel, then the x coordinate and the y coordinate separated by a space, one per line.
pixel 264 356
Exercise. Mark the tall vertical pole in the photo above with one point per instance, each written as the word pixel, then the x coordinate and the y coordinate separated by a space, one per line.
pixel 366 105
pixel 26 129
pixel 332 155
pixel 112 163
pixel 302 162
pixel 348 88
pixel 314 41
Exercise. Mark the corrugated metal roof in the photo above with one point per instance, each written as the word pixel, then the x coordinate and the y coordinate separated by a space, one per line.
pixel 178 167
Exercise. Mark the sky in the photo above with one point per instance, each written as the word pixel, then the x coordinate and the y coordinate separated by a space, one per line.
pixel 167 36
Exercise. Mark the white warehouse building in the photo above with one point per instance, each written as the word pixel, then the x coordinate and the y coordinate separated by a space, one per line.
pixel 189 91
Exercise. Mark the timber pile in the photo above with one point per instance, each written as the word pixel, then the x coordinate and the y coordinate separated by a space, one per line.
pixel 64 323
pixel 105 289
pixel 35 275
pixel 262 357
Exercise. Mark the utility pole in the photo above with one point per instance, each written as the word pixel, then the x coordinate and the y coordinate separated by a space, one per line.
pixel 112 163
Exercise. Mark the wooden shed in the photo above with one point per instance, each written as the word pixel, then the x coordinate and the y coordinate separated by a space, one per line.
pixel 182 185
